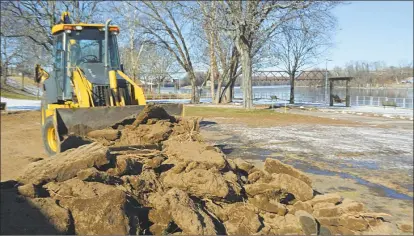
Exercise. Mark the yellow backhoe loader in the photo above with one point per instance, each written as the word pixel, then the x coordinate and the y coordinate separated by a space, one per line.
pixel 87 89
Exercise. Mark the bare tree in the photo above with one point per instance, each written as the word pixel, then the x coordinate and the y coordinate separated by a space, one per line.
pixel 33 20
pixel 252 23
pixel 131 42
pixel 300 43
pixel 209 11
pixel 222 53
pixel 10 50
pixel 156 65
pixel 165 24
pixel 373 74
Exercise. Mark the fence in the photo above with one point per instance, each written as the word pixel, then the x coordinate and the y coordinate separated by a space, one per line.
pixel 23 83
pixel 377 101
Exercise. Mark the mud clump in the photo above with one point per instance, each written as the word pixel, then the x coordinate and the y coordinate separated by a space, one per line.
pixel 157 176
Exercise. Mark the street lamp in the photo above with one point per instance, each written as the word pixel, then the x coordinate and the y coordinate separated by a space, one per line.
pixel 326 80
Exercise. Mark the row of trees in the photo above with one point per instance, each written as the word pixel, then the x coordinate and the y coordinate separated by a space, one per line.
pixel 374 73
pixel 228 39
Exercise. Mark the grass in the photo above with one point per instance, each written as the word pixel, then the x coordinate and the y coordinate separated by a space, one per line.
pixel 259 117
pixel 9 94
pixel 228 112
pixel 27 80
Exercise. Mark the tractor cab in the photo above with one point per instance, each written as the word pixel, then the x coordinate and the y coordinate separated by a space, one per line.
pixel 83 46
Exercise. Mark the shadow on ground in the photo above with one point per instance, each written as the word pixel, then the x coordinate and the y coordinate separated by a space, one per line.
pixel 18 216
pixel 206 123
pixel 226 149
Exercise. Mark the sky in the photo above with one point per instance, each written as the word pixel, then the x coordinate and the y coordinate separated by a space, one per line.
pixel 373 31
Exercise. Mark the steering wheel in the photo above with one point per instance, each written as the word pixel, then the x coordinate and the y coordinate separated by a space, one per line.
pixel 88 58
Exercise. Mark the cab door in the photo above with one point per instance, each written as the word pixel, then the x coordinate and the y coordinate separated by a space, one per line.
pixel 59 65
pixel 53 86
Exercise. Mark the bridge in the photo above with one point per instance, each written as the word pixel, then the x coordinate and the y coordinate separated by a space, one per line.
pixel 264 77
pixel 315 75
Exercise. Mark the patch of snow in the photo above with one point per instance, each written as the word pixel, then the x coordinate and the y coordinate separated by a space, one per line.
pixel 183 101
pixel 366 146
pixel 401 113
pixel 20 104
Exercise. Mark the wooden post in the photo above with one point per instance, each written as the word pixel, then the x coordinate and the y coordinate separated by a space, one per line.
pixel 331 93
pixel 22 81
pixel 347 103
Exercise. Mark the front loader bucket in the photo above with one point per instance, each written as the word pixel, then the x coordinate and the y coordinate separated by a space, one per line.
pixel 72 124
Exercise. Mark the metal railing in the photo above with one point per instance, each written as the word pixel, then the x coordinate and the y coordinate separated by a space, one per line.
pixel 378 101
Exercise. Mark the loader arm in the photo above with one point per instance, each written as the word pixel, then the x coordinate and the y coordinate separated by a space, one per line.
pixel 137 92
pixel 82 88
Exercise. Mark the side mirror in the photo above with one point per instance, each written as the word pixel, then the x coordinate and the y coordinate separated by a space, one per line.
pixel 38 76
pixel 122 67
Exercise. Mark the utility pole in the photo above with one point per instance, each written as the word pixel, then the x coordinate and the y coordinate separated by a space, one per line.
pixel 326 81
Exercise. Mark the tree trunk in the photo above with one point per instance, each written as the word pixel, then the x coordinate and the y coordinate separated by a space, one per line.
pixel 6 63
pixel 218 93
pixel 5 72
pixel 292 88
pixel 230 92
pixel 131 48
pixel 223 93
pixel 247 78
pixel 212 65
pixel 226 96
pixel 194 93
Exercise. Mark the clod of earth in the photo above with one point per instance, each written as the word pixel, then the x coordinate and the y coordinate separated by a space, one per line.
pixel 157 176
pixel 277 167
pixel 108 134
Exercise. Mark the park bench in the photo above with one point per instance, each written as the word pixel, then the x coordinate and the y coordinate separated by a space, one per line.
pixel 337 99
pixel 389 104
pixel 3 106
pixel 273 98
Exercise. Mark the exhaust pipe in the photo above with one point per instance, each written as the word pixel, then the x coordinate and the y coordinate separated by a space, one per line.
pixel 106 41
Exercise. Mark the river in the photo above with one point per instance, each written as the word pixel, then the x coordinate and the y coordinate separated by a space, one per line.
pixel 359 96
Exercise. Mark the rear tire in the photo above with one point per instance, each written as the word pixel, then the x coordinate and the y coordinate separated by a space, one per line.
pixel 49 137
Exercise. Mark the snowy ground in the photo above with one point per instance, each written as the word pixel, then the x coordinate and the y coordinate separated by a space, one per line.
pixel 361 146
pixel 376 156
pixel 388 112
pixel 20 104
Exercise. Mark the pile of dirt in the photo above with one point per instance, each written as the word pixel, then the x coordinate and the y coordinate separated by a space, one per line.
pixel 157 176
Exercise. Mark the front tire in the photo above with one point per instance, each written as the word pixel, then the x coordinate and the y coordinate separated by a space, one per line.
pixel 50 141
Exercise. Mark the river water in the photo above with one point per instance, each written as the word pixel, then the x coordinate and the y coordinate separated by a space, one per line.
pixel 359 96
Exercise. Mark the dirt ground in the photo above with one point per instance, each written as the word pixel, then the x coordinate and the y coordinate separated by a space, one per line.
pixel 21 142
pixel 321 139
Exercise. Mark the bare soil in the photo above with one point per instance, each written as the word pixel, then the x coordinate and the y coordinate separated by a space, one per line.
pixel 21 142
pixel 181 184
